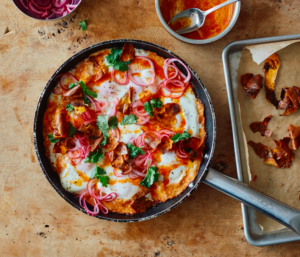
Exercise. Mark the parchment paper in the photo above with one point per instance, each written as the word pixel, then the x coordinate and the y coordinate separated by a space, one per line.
pixel 281 184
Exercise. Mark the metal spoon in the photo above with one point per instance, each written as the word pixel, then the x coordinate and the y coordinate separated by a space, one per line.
pixel 196 16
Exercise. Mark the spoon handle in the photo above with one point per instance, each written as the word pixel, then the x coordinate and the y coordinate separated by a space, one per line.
pixel 219 6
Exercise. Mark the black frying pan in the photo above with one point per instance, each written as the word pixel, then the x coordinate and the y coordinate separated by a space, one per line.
pixel 274 209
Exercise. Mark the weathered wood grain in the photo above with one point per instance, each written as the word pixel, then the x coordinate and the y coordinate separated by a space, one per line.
pixel 34 220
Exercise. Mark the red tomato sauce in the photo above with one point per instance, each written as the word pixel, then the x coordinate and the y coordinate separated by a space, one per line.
pixel 214 24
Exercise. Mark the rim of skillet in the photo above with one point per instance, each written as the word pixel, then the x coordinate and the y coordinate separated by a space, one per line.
pixel 127 218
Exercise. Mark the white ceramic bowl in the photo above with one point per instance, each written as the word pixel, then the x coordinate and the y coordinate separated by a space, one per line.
pixel 234 18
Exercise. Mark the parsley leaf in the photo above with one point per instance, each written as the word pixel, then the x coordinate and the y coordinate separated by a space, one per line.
pixel 51 139
pixel 113 122
pixel 148 108
pixel 83 26
pixel 114 60
pixel 86 90
pixel 98 172
pixel 104 142
pixel 94 157
pixel 129 119
pixel 104 180
pixel 156 102
pixel 178 137
pixel 72 130
pixel 70 107
pixel 134 151
pixel 151 177
pixel 102 123
pixel 86 100
pixel 71 85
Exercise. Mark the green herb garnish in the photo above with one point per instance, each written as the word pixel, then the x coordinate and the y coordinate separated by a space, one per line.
pixel 98 173
pixel 151 177
pixel 51 139
pixel 86 100
pixel 113 122
pixel 70 107
pixel 102 123
pixel 134 151
pixel 71 85
pixel 83 26
pixel 72 130
pixel 85 89
pixel 94 157
pixel 129 119
pixel 178 136
pixel 154 103
pixel 114 60
pixel 104 142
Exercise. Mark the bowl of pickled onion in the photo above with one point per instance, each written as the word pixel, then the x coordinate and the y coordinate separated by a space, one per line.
pixel 217 24
pixel 47 9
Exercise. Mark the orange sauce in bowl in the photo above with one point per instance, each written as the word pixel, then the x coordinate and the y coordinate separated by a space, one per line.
pixel 214 24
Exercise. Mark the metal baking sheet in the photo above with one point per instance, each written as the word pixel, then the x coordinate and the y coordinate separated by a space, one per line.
pixel 253 232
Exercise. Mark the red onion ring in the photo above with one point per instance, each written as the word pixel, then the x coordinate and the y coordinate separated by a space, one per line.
pixel 117 174
pixel 114 110
pixel 131 77
pixel 172 60
pixel 124 82
pixel 66 75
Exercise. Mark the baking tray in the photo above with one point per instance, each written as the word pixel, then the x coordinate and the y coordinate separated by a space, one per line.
pixel 253 232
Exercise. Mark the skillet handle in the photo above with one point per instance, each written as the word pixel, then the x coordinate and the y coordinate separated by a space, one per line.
pixel 272 208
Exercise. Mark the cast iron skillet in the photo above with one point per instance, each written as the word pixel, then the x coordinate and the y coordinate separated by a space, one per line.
pixel 274 209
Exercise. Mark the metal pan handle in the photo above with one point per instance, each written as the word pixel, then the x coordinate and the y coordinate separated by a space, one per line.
pixel 272 208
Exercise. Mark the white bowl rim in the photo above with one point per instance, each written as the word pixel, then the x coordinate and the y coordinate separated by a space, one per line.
pixel 234 18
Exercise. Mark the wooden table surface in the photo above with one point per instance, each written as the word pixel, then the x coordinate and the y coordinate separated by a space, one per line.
pixel 34 219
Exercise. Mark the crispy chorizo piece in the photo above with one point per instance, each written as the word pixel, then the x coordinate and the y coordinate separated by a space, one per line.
pixel 75 92
pixel 76 102
pixel 128 53
pixel 119 158
pixel 99 69
pixel 290 100
pixel 165 145
pixel 194 148
pixel 139 202
pixel 125 102
pixel 252 84
pixel 61 126
pixel 280 157
pixel 271 68
pixel 63 145
pixel 262 127
pixel 166 115
pixel 294 133
pixel 93 134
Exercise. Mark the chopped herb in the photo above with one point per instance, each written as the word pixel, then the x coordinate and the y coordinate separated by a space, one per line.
pixel 113 122
pixel 86 90
pixel 70 107
pixel 148 108
pixel 154 103
pixel 102 123
pixel 129 119
pixel 114 60
pixel 98 173
pixel 178 137
pixel 134 151
pixel 104 180
pixel 72 130
pixel 151 177
pixel 104 142
pixel 86 100
pixel 94 157
pixel 71 85
pixel 51 139
pixel 82 24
